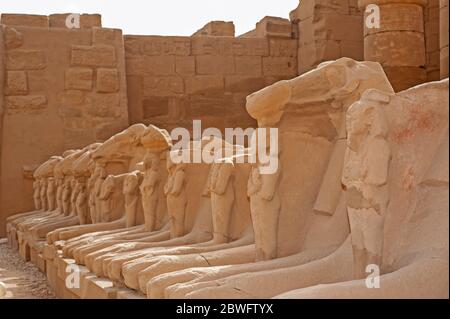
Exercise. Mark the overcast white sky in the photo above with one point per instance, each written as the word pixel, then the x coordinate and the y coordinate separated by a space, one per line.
pixel 160 17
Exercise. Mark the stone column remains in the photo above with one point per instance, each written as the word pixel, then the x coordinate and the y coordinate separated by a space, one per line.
pixel 398 43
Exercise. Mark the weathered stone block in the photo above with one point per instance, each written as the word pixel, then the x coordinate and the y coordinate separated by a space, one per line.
pixel 163 86
pixel 283 47
pixel 16 83
pixel 105 130
pixel 151 65
pixel 105 36
pixel 71 98
pixel 19 104
pixel 155 106
pixel 107 80
pixel 210 105
pixel 13 38
pixel 212 65
pixel 244 84
pixel 97 55
pixel 163 45
pixel 278 66
pixel 78 79
pixel 90 20
pixel 248 65
pixel 105 105
pixel 185 65
pixel 217 28
pixel 28 20
pixel 25 60
pixel 204 83
pixel 229 46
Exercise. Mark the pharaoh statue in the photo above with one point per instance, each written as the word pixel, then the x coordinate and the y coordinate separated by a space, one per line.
pixel 175 190
pixel 149 190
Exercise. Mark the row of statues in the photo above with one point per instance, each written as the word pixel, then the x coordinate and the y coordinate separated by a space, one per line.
pixel 356 187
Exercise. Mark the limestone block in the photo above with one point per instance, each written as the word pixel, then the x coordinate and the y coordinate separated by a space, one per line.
pixel 395 48
pixel 16 83
pixel 279 66
pixel 185 65
pixel 229 46
pixel 163 86
pixel 399 17
pixel 13 38
pixel 204 83
pixel 283 47
pixel 19 104
pixel 78 79
pixel 247 84
pixel 107 80
pixel 28 20
pixel 155 106
pixel 248 65
pixel 96 56
pixel 214 65
pixel 25 60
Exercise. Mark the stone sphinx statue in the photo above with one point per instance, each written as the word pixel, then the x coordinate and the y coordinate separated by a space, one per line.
pixel 310 114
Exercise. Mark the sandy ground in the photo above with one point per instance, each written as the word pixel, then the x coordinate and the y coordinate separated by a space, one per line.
pixel 23 280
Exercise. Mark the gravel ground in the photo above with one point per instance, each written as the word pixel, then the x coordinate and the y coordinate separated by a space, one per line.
pixel 23 280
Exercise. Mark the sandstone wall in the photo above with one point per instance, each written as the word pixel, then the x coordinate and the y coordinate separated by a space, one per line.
pixel 173 80
pixel 443 35
pixel 431 26
pixel 64 89
pixel 328 30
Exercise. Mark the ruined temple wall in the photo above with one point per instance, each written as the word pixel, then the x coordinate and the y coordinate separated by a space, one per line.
pixel 328 30
pixel 173 80
pixel 64 89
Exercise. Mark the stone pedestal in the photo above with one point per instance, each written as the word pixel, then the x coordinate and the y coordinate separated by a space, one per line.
pixel 399 41
pixel 443 41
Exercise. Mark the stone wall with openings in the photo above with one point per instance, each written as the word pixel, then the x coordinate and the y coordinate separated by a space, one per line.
pixel 63 89
pixel 174 80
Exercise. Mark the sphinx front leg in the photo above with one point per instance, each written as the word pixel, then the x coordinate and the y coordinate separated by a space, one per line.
pixel 333 268
pixel 427 278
